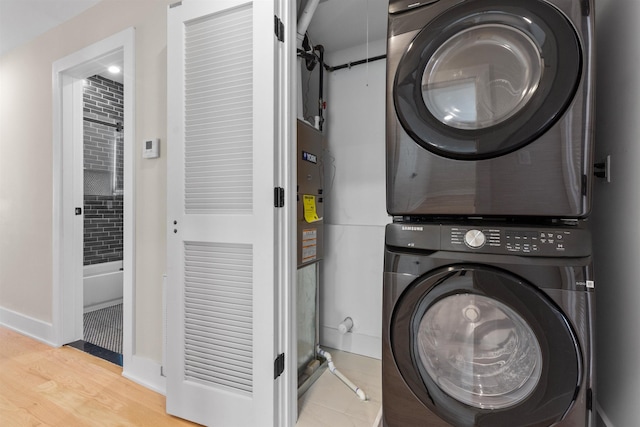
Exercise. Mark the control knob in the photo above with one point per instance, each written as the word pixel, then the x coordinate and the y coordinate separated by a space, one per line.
pixel 474 238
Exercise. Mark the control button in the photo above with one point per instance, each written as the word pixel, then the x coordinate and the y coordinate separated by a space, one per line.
pixel 474 238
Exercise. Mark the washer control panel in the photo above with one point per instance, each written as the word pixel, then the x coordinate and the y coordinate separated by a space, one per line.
pixel 551 241
pixel 534 241
pixel 474 238
pixel 507 240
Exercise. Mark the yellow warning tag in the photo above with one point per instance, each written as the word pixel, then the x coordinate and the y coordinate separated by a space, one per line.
pixel 310 214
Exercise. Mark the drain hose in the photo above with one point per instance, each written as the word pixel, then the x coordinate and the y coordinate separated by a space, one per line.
pixel 357 390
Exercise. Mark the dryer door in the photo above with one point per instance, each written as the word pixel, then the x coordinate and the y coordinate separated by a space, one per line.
pixel 487 77
pixel 481 347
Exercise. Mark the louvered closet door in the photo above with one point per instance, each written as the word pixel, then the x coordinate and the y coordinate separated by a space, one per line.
pixel 221 266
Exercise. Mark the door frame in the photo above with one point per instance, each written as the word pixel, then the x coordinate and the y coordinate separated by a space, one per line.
pixel 68 73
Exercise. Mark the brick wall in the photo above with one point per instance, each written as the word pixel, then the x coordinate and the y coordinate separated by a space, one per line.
pixel 103 144
pixel 103 171
pixel 103 221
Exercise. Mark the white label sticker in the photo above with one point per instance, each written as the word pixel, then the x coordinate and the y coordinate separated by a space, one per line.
pixel 590 284
pixel 309 244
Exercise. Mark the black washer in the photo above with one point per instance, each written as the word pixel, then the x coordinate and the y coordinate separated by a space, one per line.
pixel 561 367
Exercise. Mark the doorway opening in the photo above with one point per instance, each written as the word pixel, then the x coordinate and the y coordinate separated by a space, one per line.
pixel 93 199
pixel 103 208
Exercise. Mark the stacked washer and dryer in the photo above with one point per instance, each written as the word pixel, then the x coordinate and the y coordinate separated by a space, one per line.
pixel 488 303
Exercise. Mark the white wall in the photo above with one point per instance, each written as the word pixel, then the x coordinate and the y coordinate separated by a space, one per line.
pixel 355 211
pixel 616 212
pixel 26 163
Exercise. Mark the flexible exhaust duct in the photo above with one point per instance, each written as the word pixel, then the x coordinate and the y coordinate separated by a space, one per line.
pixel 305 20
pixel 303 24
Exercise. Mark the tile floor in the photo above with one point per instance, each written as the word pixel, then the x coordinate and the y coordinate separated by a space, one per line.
pixel 330 403
pixel 103 334
pixel 103 327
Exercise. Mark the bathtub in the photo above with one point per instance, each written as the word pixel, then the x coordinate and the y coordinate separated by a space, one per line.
pixel 102 285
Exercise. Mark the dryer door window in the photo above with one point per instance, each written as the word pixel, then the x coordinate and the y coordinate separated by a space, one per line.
pixel 487 77
pixel 482 347
pixel 481 76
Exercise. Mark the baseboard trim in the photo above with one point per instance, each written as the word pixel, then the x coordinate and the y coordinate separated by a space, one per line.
pixel 141 370
pixel 29 326
pixel 603 416
pixel 146 372
pixel 364 345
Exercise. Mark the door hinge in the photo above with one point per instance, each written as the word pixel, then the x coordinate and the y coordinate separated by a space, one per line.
pixel 278 197
pixel 279 28
pixel 278 366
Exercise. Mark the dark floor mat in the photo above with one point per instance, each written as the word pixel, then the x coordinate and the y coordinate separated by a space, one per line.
pixel 100 352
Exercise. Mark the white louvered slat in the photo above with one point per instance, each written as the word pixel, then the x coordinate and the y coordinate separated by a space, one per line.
pixel 219 113
pixel 218 298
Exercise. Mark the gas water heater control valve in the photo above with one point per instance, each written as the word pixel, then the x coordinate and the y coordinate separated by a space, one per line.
pixel 474 238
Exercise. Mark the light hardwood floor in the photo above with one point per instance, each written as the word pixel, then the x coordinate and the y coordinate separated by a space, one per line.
pixel 45 386
pixel 64 387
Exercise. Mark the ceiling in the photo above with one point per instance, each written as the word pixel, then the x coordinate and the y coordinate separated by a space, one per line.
pixel 340 24
pixel 337 24
pixel 24 20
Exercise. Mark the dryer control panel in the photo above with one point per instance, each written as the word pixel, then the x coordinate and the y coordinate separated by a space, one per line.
pixel 541 241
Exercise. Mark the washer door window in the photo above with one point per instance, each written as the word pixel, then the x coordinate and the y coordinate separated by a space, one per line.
pixel 479 351
pixel 483 348
pixel 486 78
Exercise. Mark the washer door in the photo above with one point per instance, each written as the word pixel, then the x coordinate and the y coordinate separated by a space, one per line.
pixel 481 347
pixel 487 77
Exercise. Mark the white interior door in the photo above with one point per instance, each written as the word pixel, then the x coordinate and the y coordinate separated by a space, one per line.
pixel 223 302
